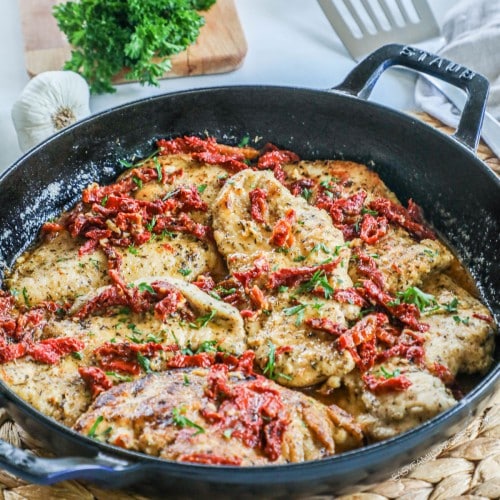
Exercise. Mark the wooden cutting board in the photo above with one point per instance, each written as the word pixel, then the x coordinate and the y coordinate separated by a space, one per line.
pixel 221 46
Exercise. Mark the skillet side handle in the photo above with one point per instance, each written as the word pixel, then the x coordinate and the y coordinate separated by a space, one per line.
pixel 39 470
pixel 361 80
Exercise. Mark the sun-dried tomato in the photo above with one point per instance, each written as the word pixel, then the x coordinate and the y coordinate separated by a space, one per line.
pixel 274 157
pixel 399 215
pixel 381 384
pixel 202 359
pixel 50 351
pixel 372 229
pixel 349 296
pixel 251 409
pixel 342 208
pixel 234 162
pixel 298 187
pixel 326 325
pixel 96 379
pixel 123 357
pixel 260 267
pixel 209 458
pixel 282 235
pixel 367 267
pixel 258 204
pixel 408 314
pixel 204 282
pixel 483 317
pixel 291 276
pixel 443 372
pixel 258 298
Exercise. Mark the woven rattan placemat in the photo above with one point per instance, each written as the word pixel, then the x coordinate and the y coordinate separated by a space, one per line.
pixel 466 466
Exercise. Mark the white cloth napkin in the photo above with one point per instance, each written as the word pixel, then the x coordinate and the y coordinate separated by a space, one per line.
pixel 471 30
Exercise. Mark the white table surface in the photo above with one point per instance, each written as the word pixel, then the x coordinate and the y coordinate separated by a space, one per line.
pixel 290 43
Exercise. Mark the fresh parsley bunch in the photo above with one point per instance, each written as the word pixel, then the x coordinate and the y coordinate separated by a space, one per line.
pixel 110 35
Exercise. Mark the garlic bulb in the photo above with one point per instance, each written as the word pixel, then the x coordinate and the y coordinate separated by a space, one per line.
pixel 49 102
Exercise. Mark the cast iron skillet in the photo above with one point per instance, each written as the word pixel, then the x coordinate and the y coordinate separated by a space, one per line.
pixel 459 194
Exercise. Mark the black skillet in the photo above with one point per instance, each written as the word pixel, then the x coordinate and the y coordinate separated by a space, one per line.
pixel 459 194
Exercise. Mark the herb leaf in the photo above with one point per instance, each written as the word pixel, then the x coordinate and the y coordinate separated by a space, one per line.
pixel 181 421
pixel 109 35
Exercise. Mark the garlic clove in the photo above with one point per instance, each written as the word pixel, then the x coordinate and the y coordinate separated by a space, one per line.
pixel 50 102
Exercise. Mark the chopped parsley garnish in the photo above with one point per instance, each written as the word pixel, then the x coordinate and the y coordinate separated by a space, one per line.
pixel 137 182
pixel 133 250
pixel 451 306
pixel 318 279
pixel 270 367
pixel 144 362
pixel 125 163
pixel 459 320
pixel 95 425
pixel 202 188
pixel 181 421
pixel 150 225
pixel 387 374
pixel 244 141
pixel 202 321
pixel 186 380
pixel 413 295
pixel 146 287
pixel 296 310
pixel 26 297
pixel 185 271
pixel 365 210
pixel 119 376
pixel 299 258
pixel 158 168
pixel 77 355
pixel 306 194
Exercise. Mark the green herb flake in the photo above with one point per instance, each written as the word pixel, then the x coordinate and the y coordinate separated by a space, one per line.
pixel 201 188
pixel 182 421
pixel 133 250
pixel 26 297
pixel 137 182
pixel 186 380
pixel 203 321
pixel 95 425
pixel 244 141
pixel 296 310
pixel 159 171
pixel 387 374
pixel 451 306
pixel 185 271
pixel 119 376
pixel 144 362
pixel 125 163
pixel 146 287
pixel 413 295
pixel 77 355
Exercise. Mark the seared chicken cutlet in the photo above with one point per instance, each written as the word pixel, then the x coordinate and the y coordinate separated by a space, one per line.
pixel 273 241
pixel 351 193
pixel 199 322
pixel 461 333
pixel 58 270
pixel 385 414
pixel 182 415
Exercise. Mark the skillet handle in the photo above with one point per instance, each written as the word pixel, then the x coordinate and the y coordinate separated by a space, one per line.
pixel 39 470
pixel 361 80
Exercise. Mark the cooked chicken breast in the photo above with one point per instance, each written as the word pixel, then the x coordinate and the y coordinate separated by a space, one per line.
pixel 55 271
pixel 356 175
pixel 215 325
pixel 462 332
pixel 402 261
pixel 177 415
pixel 304 357
pixel 386 414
